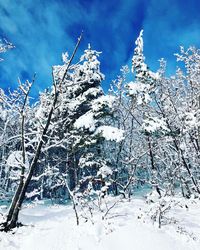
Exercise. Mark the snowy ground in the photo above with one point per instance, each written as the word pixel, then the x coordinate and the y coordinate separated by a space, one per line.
pixel 126 227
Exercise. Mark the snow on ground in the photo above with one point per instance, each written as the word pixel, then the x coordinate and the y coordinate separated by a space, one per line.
pixel 126 227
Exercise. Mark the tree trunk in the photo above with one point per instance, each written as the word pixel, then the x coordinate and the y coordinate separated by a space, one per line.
pixel 12 219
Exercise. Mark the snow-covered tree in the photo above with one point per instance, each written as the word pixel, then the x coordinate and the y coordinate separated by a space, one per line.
pixel 144 82
pixel 85 112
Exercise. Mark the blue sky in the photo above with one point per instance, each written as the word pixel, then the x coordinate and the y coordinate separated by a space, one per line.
pixel 42 29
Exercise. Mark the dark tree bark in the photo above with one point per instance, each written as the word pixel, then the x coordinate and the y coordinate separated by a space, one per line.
pixel 12 218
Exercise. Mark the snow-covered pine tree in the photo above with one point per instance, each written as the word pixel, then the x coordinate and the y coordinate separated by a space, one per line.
pixel 84 112
pixel 142 91
pixel 144 78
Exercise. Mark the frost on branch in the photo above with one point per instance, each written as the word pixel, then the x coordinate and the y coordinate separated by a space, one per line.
pixel 86 121
pixel 153 124
pixel 4 46
pixel 15 160
pixel 111 133
pixel 105 171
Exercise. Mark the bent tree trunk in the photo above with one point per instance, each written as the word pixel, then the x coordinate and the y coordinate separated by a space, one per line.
pixel 21 181
pixel 12 218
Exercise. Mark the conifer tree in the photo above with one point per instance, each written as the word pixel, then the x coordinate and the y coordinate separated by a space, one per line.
pixel 85 110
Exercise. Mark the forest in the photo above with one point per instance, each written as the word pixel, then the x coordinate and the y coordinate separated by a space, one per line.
pixel 91 149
